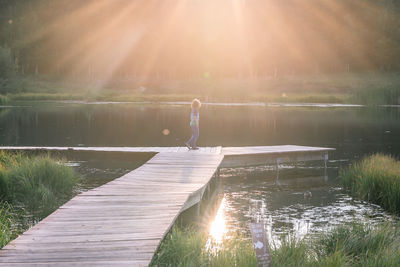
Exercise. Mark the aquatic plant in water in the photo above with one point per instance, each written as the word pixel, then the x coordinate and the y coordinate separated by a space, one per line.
pixel 376 179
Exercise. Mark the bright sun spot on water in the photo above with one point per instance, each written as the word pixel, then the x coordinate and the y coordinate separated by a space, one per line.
pixel 218 226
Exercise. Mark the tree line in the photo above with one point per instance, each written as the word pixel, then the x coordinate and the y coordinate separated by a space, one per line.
pixel 98 39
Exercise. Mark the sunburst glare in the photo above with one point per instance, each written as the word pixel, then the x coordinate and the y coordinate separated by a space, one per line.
pixel 218 227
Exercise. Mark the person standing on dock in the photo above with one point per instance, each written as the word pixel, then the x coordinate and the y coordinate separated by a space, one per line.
pixel 194 124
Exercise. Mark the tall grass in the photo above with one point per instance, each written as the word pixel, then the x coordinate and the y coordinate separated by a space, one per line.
pixel 388 94
pixel 4 99
pixel 190 248
pixel 6 221
pixel 363 245
pixel 348 245
pixel 32 187
pixel 234 251
pixel 181 248
pixel 376 179
pixel 38 185
pixel 301 98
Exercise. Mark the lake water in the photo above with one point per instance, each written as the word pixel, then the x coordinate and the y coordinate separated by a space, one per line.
pixel 245 194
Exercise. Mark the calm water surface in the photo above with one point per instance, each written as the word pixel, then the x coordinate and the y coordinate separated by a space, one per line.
pixel 245 194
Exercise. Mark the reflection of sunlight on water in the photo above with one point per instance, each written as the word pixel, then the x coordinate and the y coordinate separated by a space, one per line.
pixel 301 227
pixel 304 220
pixel 218 226
pixel 283 209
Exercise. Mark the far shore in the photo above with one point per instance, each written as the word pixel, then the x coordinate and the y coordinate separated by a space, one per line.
pixel 368 88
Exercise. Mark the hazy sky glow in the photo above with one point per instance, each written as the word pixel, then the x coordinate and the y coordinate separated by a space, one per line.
pixel 222 37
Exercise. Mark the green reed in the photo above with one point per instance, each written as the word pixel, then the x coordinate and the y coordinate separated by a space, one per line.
pixel 347 245
pixel 30 189
pixel 376 179
pixel 37 185
pixel 192 248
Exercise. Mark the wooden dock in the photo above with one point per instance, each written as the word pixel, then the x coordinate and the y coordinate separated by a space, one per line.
pixel 123 222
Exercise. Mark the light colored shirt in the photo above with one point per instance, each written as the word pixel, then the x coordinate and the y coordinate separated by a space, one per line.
pixel 194 114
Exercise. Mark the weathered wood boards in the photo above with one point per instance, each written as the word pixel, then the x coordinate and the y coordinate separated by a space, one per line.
pixel 263 155
pixel 120 223
pixel 123 222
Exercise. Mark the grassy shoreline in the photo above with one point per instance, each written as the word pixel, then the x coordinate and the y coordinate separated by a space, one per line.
pixel 348 245
pixel 188 247
pixel 345 88
pixel 375 179
pixel 320 98
pixel 31 188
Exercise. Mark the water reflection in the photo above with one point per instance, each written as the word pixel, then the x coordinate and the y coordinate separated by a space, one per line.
pixel 96 169
pixel 354 131
pixel 96 173
pixel 249 194
pixel 252 195
pixel 218 228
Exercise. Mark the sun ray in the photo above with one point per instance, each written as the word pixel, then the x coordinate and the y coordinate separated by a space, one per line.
pixel 92 45
pixel 218 37
pixel 363 25
pixel 168 22
pixel 237 6
pixel 81 12
pixel 122 41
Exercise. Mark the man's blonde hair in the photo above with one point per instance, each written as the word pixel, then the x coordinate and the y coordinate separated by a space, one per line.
pixel 196 103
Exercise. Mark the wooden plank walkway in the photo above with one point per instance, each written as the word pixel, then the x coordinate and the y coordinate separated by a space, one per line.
pixel 252 150
pixel 123 222
pixel 264 155
pixel 120 223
